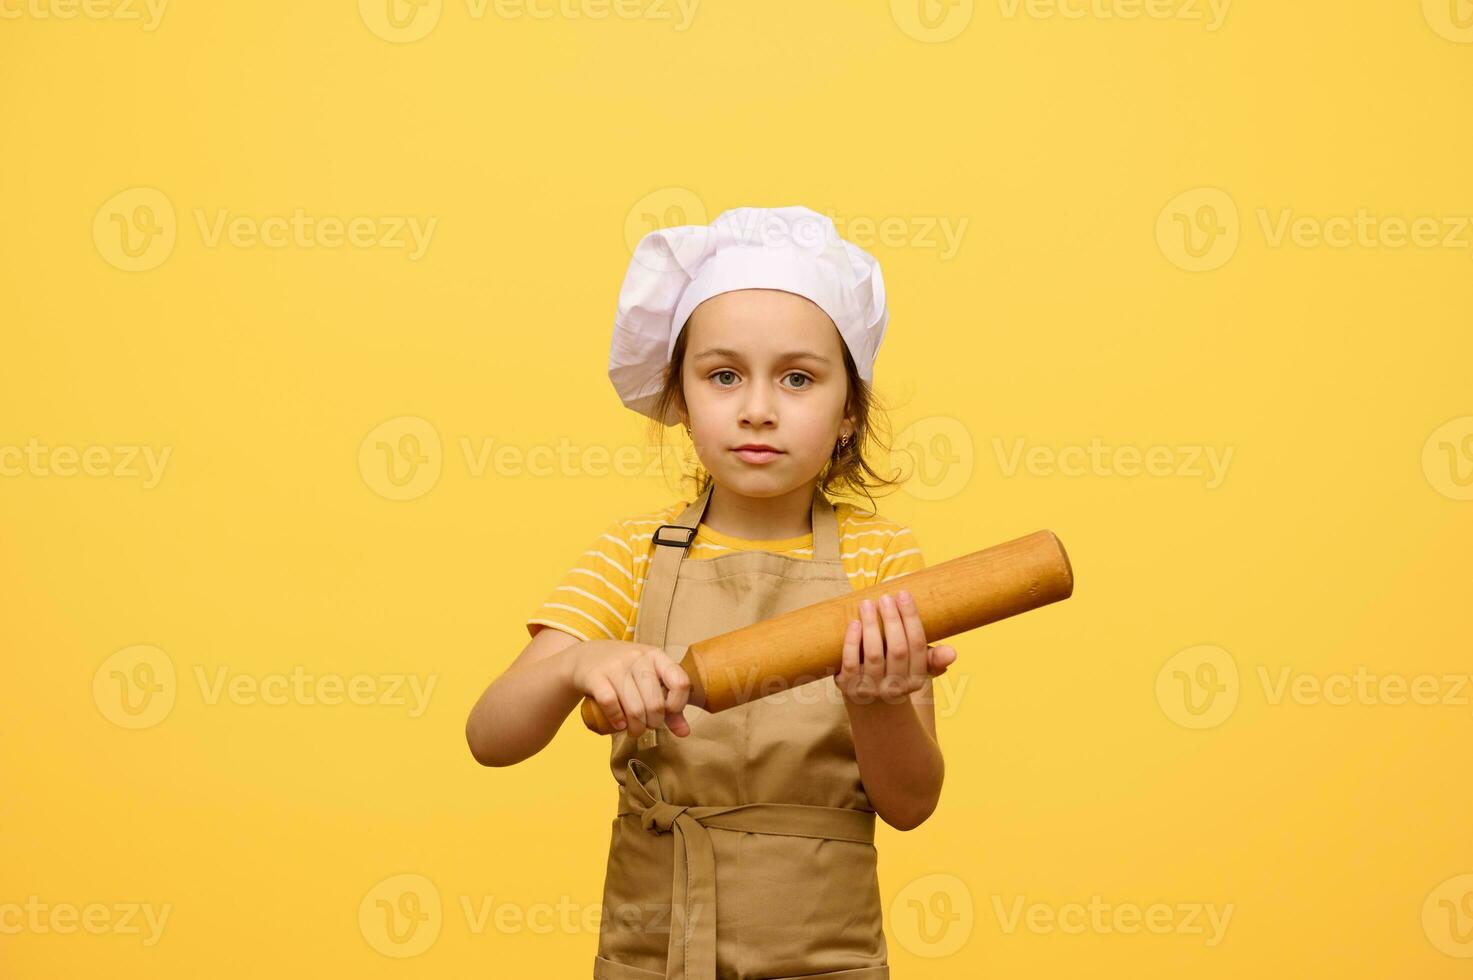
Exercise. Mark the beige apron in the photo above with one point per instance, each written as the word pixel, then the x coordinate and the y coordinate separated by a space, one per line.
pixel 746 849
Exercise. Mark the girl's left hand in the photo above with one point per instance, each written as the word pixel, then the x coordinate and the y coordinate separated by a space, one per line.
pixel 888 665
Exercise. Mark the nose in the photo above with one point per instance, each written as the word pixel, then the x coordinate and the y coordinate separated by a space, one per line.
pixel 759 407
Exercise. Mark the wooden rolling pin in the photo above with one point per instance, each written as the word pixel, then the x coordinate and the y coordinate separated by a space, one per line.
pixel 807 644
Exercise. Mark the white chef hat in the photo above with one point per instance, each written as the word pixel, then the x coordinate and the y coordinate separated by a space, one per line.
pixel 795 249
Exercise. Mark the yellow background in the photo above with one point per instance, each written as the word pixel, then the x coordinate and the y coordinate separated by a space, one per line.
pixel 542 147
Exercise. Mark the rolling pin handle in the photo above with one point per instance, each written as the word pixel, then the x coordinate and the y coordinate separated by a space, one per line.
pixel 593 717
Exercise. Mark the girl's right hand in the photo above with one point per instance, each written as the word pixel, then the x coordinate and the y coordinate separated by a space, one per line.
pixel 634 683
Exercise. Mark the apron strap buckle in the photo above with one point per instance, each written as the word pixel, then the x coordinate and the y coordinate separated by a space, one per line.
pixel 690 535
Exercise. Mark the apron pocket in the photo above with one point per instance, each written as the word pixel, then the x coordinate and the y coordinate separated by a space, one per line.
pixel 802 907
pixel 635 928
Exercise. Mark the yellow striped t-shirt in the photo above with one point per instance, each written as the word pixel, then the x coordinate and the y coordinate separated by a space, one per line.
pixel 598 597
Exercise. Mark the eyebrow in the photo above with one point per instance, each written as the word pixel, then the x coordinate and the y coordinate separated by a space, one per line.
pixel 790 355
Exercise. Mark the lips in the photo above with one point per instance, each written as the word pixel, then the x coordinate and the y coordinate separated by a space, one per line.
pixel 757 454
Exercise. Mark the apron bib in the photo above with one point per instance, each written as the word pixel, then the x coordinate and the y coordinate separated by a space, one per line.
pixel 744 851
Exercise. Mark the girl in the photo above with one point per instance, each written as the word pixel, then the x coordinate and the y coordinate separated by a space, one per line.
pixel 743 846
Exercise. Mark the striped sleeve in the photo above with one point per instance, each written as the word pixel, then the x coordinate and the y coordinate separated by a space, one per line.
pixel 902 555
pixel 595 600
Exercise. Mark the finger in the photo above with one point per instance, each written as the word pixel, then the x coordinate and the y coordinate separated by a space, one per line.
pixel 633 705
pixel 897 651
pixel 652 693
pixel 873 649
pixel 849 662
pixel 915 636
pixel 939 658
pixel 676 682
pixel 677 685
pixel 603 693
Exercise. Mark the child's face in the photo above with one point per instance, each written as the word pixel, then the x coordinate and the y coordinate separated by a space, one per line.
pixel 777 377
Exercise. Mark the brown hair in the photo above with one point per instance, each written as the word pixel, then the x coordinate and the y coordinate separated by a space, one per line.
pixel 847 471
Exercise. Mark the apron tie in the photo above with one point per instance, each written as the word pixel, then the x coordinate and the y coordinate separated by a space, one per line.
pixel 661 816
pixel 692 951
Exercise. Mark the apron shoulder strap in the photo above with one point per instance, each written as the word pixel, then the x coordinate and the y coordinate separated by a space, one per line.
pixel 825 529
pixel 671 544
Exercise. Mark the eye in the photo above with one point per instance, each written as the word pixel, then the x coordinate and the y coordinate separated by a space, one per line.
pixel 717 374
pixel 800 374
